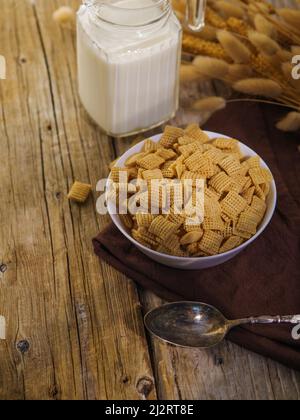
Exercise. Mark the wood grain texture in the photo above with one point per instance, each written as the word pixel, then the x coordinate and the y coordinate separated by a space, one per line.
pixel 82 321
pixel 74 326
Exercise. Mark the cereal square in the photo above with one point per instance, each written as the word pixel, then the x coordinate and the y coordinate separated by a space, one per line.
pixel 246 223
pixel 162 228
pixel 150 146
pixel 197 163
pixel 211 242
pixel 196 133
pixel 151 161
pixel 166 154
pixel 79 192
pixel 230 165
pixel 231 243
pixel 260 176
pixel 233 204
pixel 224 143
pixel 150 174
pixel 221 182
pixel 170 136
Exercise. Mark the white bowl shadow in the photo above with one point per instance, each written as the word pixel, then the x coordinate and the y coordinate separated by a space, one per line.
pixel 186 263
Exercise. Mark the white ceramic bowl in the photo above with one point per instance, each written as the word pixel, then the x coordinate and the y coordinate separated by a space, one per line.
pixel 199 262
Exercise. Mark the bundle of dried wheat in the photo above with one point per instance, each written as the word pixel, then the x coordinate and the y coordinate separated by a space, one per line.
pixel 253 47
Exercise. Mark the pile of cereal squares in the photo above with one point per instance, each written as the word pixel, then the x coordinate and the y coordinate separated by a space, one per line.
pixel 236 188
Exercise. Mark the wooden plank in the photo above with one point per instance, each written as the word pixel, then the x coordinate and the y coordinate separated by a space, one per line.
pixel 74 328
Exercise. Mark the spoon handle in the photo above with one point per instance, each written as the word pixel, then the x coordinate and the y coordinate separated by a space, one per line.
pixel 289 319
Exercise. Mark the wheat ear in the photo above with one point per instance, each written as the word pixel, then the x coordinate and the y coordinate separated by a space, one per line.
pixel 258 87
pixel 289 123
pixel 211 67
pixel 210 104
pixel 234 47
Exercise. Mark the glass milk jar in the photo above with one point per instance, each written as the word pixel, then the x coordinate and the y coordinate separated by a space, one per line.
pixel 128 63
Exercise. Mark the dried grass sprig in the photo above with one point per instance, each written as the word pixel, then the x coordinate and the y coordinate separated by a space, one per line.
pixel 262 66
pixel 239 71
pixel 229 9
pixel 290 123
pixel 291 16
pixel 264 43
pixel 288 33
pixel 208 33
pixel 213 19
pixel 265 27
pixel 239 53
pixel 64 15
pixel 211 67
pixel 264 7
pixel 239 26
pixel 258 87
pixel 199 46
pixel 209 104
pixel 189 73
pixel 257 41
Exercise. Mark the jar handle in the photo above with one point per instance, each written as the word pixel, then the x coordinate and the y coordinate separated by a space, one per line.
pixel 195 14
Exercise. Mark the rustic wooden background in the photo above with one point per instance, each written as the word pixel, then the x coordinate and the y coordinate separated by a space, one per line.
pixel 74 326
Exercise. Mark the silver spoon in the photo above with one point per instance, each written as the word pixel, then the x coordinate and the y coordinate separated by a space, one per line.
pixel 194 324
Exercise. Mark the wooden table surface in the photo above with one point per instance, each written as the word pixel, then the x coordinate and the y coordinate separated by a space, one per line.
pixel 74 325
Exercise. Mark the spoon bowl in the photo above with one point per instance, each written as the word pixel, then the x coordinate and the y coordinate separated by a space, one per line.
pixel 187 324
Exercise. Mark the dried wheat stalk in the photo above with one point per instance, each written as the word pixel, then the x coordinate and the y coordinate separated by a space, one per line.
pixel 239 53
pixel 209 104
pixel 258 87
pixel 264 43
pixel 228 9
pixel 211 67
pixel 290 123
pixel 265 27
pixel 258 41
pixel 199 46
pixel 189 73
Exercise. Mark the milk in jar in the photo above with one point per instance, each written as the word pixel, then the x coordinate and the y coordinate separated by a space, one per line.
pixel 128 63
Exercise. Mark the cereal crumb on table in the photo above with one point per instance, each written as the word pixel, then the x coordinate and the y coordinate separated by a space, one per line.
pixel 79 192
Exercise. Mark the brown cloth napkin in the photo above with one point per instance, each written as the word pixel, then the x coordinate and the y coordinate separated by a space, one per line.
pixel 264 279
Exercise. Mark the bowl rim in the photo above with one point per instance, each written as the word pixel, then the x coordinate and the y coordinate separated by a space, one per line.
pixel 264 224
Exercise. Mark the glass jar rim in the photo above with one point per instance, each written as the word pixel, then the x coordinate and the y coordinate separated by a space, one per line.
pixel 163 5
